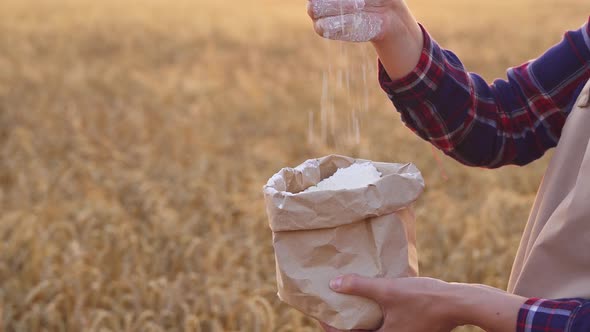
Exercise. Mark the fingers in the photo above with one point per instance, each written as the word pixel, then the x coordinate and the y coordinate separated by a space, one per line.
pixel 328 328
pixel 359 27
pixel 324 8
pixel 345 20
pixel 372 288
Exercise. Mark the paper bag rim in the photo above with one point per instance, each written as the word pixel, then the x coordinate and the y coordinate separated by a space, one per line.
pixel 398 188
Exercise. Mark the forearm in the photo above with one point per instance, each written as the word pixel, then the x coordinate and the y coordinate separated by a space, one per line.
pixel 399 47
pixel 497 311
pixel 511 121
pixel 489 308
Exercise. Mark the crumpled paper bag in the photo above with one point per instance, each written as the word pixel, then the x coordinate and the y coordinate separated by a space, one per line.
pixel 321 235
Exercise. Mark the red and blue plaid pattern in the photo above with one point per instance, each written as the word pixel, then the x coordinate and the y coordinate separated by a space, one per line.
pixel 570 315
pixel 511 121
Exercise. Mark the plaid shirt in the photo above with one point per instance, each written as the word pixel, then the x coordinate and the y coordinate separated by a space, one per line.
pixel 553 316
pixel 507 122
pixel 511 121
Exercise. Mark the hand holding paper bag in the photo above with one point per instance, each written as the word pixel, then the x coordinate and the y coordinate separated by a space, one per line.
pixel 318 236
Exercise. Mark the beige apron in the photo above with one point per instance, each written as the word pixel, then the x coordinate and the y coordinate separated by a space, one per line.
pixel 553 260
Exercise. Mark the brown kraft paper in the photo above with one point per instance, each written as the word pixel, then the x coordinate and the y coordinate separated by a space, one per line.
pixel 321 235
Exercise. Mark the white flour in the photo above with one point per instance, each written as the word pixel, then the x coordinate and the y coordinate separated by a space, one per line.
pixel 353 177
pixel 344 82
pixel 356 27
pixel 347 20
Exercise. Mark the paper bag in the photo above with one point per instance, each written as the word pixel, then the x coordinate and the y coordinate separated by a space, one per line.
pixel 324 234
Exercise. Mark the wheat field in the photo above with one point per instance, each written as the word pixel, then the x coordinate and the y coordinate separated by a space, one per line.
pixel 135 138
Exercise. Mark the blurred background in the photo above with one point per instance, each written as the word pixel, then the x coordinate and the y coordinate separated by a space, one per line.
pixel 136 136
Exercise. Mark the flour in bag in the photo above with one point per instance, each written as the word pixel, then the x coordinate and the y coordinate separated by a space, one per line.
pixel 352 177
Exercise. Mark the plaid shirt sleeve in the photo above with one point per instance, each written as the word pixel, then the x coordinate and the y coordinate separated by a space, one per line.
pixel 538 315
pixel 511 121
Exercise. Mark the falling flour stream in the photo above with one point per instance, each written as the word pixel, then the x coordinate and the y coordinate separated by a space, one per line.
pixel 344 82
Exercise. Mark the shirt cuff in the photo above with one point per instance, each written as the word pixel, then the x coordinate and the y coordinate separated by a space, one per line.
pixel 420 82
pixel 539 315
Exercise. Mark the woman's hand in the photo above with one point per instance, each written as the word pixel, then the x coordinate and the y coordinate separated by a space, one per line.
pixel 350 20
pixel 388 24
pixel 409 304
pixel 427 305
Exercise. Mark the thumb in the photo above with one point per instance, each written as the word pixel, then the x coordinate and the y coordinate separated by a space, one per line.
pixel 353 284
